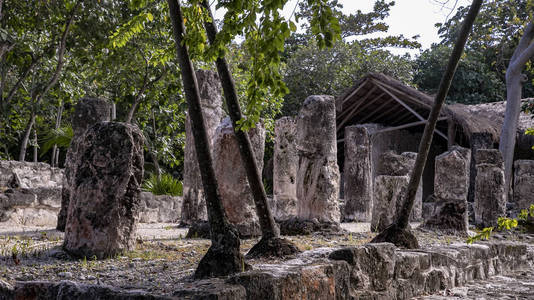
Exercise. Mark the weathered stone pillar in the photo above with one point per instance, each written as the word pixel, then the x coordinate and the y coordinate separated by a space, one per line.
pixel 104 206
pixel 523 184
pixel 358 183
pixel 234 188
pixel 451 188
pixel 318 172
pixel 194 203
pixel 87 112
pixel 478 140
pixel 389 191
pixel 393 175
pixel 490 201
pixel 285 160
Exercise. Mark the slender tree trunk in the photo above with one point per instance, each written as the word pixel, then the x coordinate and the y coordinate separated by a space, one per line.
pixel 397 232
pixel 514 84
pixel 58 125
pixel 26 137
pixel 38 95
pixel 270 244
pixel 223 257
pixel 267 223
pixel 35 146
pixel 152 152
pixel 140 94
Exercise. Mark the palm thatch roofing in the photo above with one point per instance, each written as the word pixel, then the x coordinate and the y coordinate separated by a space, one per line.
pixel 377 98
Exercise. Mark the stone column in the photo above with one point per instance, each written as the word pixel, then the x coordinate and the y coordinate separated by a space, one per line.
pixel 389 189
pixel 451 188
pixel 285 161
pixel 194 204
pixel 87 112
pixel 234 188
pixel 318 172
pixel 523 185
pixel 478 140
pixel 490 201
pixel 358 184
pixel 105 200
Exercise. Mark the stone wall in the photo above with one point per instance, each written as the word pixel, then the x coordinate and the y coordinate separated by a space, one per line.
pixel 160 208
pixel 30 193
pixel 372 271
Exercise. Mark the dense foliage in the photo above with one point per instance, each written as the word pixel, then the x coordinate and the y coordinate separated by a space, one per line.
pixel 52 53
pixel 480 75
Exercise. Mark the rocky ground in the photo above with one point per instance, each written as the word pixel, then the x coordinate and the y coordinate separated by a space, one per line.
pixel 162 257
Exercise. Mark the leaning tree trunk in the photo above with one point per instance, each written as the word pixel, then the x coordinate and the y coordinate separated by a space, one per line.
pixel 270 244
pixel 398 232
pixel 223 257
pixel 514 84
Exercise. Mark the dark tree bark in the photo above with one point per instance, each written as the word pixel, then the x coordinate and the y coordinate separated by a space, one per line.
pixel 398 232
pixel 514 84
pixel 223 257
pixel 270 244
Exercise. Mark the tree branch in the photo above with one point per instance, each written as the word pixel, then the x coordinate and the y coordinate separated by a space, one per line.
pixel 518 64
pixel 14 89
pixel 524 42
pixel 61 55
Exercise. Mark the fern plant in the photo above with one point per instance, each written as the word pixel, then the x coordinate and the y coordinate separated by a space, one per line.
pixel 60 137
pixel 164 185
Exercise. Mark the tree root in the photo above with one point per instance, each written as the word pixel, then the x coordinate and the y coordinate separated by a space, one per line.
pixel 272 247
pixel 402 238
pixel 223 257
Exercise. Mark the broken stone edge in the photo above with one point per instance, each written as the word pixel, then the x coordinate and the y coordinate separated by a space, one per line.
pixel 372 271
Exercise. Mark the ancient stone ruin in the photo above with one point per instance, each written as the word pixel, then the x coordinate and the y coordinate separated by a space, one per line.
pixel 523 185
pixel 285 161
pixel 390 188
pixel 318 173
pixel 358 175
pixel 87 112
pixel 30 193
pixel 451 191
pixel 234 189
pixel 490 200
pixel 194 204
pixel 104 203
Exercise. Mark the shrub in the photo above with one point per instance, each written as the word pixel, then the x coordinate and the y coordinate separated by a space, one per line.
pixel 164 185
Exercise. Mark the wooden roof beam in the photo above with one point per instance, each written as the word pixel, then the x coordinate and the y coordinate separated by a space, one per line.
pixel 408 107
pixel 413 124
pixel 377 110
pixel 360 102
pixel 356 103
pixel 355 91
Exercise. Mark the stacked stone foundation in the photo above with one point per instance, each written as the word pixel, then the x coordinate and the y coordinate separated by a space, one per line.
pixel 372 271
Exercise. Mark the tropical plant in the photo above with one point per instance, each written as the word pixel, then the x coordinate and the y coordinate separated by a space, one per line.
pixel 61 137
pixel 164 184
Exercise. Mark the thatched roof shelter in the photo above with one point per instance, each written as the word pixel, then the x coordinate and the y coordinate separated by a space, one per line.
pixel 377 98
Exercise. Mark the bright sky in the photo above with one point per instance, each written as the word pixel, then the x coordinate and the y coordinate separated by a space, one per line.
pixel 407 17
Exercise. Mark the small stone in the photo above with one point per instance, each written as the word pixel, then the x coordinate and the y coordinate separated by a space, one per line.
pixel 66 275
pixel 91 277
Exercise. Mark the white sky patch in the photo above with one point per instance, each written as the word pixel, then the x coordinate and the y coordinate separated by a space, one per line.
pixel 407 17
